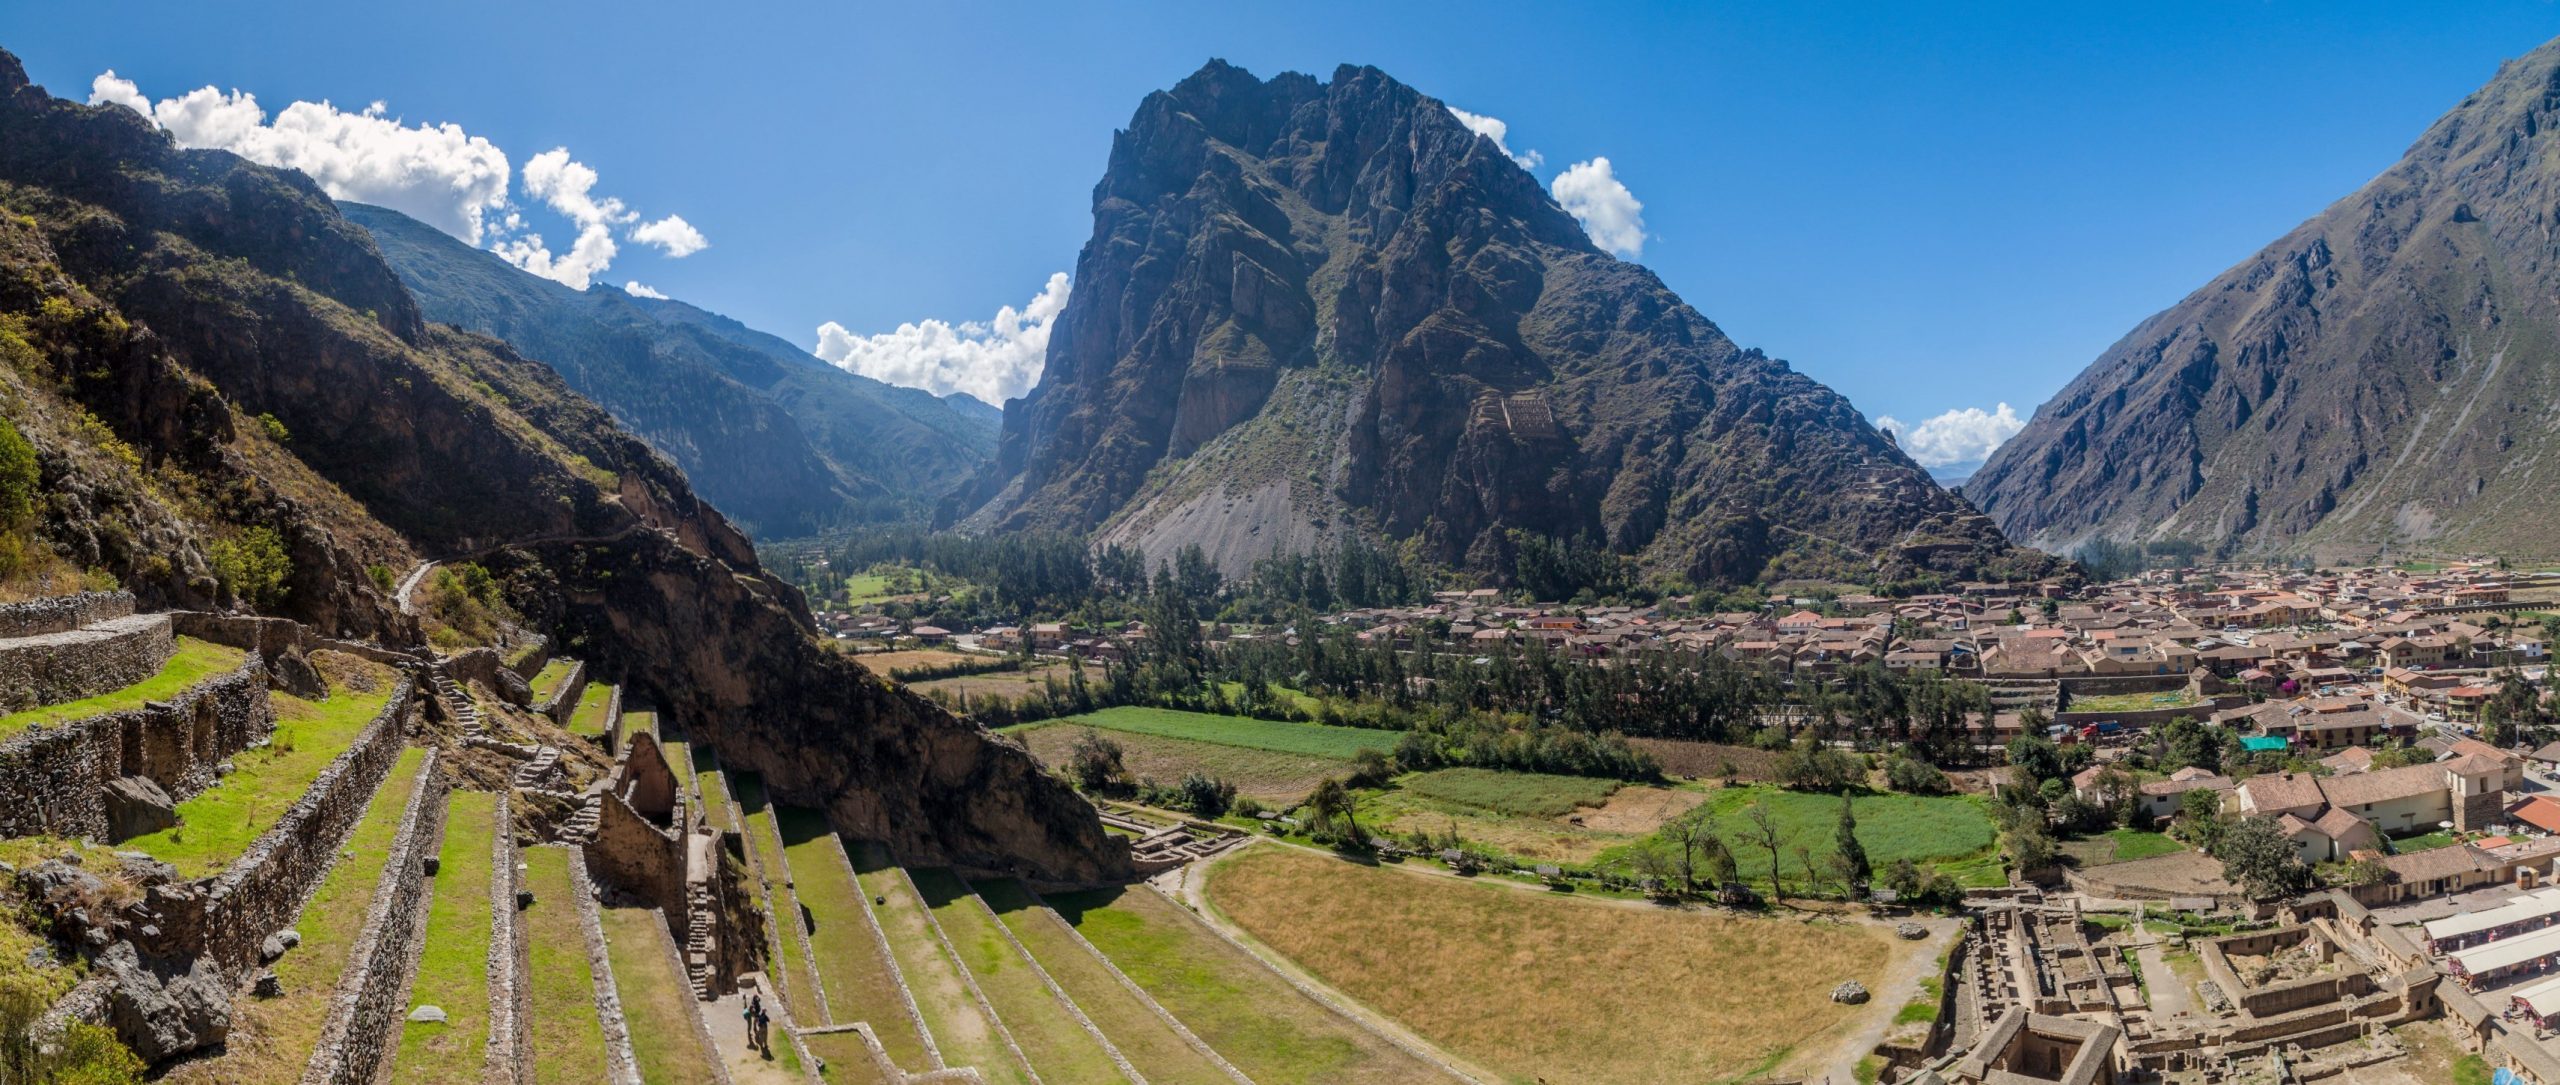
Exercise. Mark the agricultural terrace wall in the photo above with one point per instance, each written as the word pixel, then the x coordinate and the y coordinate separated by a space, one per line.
pixel 372 996
pixel 534 656
pixel 229 914
pixel 510 1003
pixel 275 637
pixel 634 855
pixel 564 697
pixel 63 613
pixel 51 668
pixel 53 779
pixel 484 666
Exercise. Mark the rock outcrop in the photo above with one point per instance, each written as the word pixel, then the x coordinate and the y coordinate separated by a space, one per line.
pixel 1317 308
pixel 2379 375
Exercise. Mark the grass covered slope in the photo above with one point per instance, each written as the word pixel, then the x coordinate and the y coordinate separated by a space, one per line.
pixel 656 1001
pixel 453 967
pixel 219 823
pixel 560 983
pixel 1535 985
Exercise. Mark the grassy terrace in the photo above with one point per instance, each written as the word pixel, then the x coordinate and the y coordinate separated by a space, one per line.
pixel 656 1000
pixel 961 1029
pixel 588 718
pixel 453 968
pixel 1059 1048
pixel 220 823
pixel 1306 739
pixel 549 678
pixel 194 662
pixel 272 1038
pixel 799 988
pixel 842 1059
pixel 861 985
pixel 568 1036
pixel 1518 794
pixel 2134 702
pixel 1532 984
pixel 639 722
pixel 2119 846
pixel 1149 1044
pixel 1239 1007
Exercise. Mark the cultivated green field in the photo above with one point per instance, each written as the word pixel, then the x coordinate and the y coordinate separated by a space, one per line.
pixel 1279 779
pixel 593 702
pixel 1952 833
pixel 1518 794
pixel 550 677
pixel 2120 846
pixel 194 662
pixel 453 968
pixel 1309 739
pixel 2135 702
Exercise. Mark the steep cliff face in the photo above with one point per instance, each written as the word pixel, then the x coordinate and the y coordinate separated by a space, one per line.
pixel 198 347
pixel 2383 374
pixel 1316 308
pixel 785 443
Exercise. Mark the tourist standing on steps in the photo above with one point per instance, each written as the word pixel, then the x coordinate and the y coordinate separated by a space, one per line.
pixel 752 1010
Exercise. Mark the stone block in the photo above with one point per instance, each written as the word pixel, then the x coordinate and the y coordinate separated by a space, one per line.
pixel 138 806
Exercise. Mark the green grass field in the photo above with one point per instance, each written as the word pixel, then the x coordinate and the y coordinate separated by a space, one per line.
pixel 568 1036
pixel 194 661
pixel 1309 739
pixel 1279 779
pixel 271 1038
pixel 1159 1053
pixel 453 966
pixel 1518 794
pixel 2120 846
pixel 588 718
pixel 1952 833
pixel 220 823
pixel 1240 1008
pixel 655 999
pixel 861 985
pixel 961 1028
pixel 1059 1048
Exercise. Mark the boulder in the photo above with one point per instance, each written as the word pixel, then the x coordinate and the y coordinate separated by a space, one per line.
pixel 428 1014
pixel 277 943
pixel 431 865
pixel 513 689
pixel 162 1013
pixel 293 674
pixel 1851 992
pixel 267 985
pixel 136 806
pixel 1912 931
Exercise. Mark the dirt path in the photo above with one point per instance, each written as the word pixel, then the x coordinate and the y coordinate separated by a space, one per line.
pixel 409 587
pixel 1836 1060
pixel 747 1066
pixel 2168 994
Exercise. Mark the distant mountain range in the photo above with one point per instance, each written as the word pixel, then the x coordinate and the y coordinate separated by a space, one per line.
pixel 783 442
pixel 2386 373
pixel 1311 310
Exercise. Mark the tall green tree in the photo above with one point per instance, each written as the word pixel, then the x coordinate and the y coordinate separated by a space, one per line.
pixel 1853 855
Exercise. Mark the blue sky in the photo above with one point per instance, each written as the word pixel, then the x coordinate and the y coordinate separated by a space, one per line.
pixel 1928 210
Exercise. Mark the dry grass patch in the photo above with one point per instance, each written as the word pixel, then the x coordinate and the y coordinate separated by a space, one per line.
pixel 1709 760
pixel 881 663
pixel 1534 985
pixel 1278 779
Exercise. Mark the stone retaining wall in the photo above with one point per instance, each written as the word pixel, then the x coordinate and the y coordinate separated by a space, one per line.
pixel 633 855
pixel 621 1067
pixel 54 668
pixel 509 1003
pixel 363 1026
pixel 564 698
pixel 63 613
pixel 228 915
pixel 53 779
pixel 274 637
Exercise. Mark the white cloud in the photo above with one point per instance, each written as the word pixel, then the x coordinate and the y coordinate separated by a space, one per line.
pixel 673 236
pixel 639 289
pixel 994 361
pixel 437 173
pixel 591 253
pixel 1493 129
pixel 1592 193
pixel 106 89
pixel 1963 435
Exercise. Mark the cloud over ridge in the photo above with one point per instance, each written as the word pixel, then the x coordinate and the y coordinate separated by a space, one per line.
pixel 994 360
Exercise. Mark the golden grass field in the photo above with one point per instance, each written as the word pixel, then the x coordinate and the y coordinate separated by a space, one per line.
pixel 1267 776
pixel 1538 986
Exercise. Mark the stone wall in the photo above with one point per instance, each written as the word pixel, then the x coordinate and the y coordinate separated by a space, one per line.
pixel 53 779
pixel 564 697
pixel 63 613
pixel 52 668
pixel 631 852
pixel 363 1025
pixel 510 1004
pixel 274 637
pixel 228 915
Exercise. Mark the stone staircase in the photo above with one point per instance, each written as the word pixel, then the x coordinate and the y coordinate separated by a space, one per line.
pixel 581 826
pixel 699 908
pixel 457 701
pixel 535 773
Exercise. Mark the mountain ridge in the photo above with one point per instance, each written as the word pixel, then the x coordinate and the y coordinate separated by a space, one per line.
pixel 2377 376
pixel 1313 309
